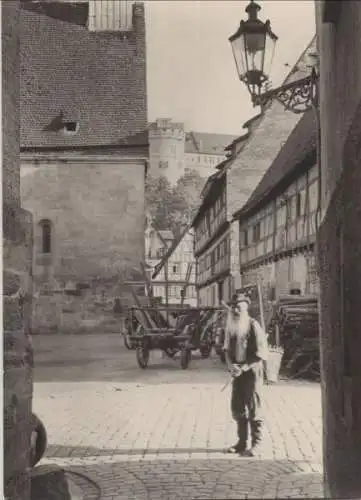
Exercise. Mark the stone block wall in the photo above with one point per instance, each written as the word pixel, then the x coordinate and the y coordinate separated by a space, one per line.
pixel 17 289
pixel 339 256
pixel 339 244
pixel 96 209
pixel 18 357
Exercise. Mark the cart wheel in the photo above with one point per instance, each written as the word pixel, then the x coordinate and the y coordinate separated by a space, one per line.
pixel 185 358
pixel 142 353
pixel 205 351
pixel 38 440
pixel 127 342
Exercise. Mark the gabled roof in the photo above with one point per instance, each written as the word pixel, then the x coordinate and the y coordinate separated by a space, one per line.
pixel 299 147
pixel 207 143
pixel 166 234
pixel 174 246
pixel 69 74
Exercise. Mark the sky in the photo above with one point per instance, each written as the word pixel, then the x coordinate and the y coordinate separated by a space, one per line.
pixel 191 74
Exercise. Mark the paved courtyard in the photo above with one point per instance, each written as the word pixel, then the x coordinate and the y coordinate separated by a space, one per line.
pixel 160 433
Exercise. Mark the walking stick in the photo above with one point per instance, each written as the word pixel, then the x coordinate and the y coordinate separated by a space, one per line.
pixel 229 381
pixel 226 384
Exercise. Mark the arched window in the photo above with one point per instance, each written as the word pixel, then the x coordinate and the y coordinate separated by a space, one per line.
pixel 45 225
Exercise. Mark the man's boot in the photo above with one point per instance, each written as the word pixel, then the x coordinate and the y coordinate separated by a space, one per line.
pixel 256 436
pixel 242 431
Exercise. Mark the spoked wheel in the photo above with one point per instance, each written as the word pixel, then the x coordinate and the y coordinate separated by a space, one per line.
pixel 38 440
pixel 185 358
pixel 142 353
pixel 127 342
pixel 205 351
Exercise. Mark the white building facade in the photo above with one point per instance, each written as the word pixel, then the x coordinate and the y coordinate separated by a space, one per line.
pixel 178 267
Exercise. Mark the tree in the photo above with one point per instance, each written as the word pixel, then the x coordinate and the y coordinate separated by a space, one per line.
pixel 158 199
pixel 172 207
pixel 189 187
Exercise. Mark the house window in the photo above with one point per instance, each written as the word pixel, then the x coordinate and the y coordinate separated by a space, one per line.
pixel 175 268
pixel 163 164
pixel 257 232
pixel 70 128
pixel 313 196
pixel 220 292
pixel 45 235
pixel 298 204
pixel 160 253
pixel 245 237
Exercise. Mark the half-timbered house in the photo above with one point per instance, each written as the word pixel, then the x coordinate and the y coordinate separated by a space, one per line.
pixel 212 233
pixel 173 279
pixel 277 224
pixel 216 236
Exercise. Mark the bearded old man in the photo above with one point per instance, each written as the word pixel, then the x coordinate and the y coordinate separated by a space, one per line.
pixel 245 347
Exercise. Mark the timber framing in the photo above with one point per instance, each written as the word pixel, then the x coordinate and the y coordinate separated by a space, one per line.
pixel 278 221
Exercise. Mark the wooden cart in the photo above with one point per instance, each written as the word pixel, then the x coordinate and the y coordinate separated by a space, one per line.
pixel 178 331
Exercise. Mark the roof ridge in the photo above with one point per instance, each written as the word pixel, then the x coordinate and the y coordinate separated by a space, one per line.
pixel 295 67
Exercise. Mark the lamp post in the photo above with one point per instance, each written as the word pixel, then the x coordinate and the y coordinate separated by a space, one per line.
pixel 253 46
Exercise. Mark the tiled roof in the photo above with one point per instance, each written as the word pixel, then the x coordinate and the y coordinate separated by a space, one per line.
pixel 207 143
pixel 300 145
pixel 70 74
pixel 166 234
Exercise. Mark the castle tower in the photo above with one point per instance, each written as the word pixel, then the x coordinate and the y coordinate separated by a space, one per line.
pixel 166 149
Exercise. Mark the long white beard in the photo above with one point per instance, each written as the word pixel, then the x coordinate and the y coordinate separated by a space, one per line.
pixel 243 322
pixel 239 324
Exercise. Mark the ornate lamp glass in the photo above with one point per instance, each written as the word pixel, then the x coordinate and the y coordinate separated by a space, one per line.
pixel 253 47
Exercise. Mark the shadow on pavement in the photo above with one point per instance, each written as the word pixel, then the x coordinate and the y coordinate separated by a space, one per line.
pixel 49 483
pixel 234 478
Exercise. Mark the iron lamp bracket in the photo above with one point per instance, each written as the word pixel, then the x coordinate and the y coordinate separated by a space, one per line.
pixel 297 96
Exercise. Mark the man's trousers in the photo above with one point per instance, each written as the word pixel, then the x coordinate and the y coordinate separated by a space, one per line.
pixel 246 405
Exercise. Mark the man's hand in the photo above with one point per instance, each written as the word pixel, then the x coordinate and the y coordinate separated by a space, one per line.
pixel 236 370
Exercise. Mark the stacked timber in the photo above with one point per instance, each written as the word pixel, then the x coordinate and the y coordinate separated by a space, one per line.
pixel 294 326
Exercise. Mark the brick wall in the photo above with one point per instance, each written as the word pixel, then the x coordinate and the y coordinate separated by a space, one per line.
pixel 96 208
pixel 17 243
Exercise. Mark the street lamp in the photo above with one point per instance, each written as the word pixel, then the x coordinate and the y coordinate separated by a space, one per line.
pixel 253 47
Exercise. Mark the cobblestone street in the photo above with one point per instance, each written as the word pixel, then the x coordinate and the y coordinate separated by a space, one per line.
pixel 161 433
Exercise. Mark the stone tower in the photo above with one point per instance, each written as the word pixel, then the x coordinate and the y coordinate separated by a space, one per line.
pixel 166 149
